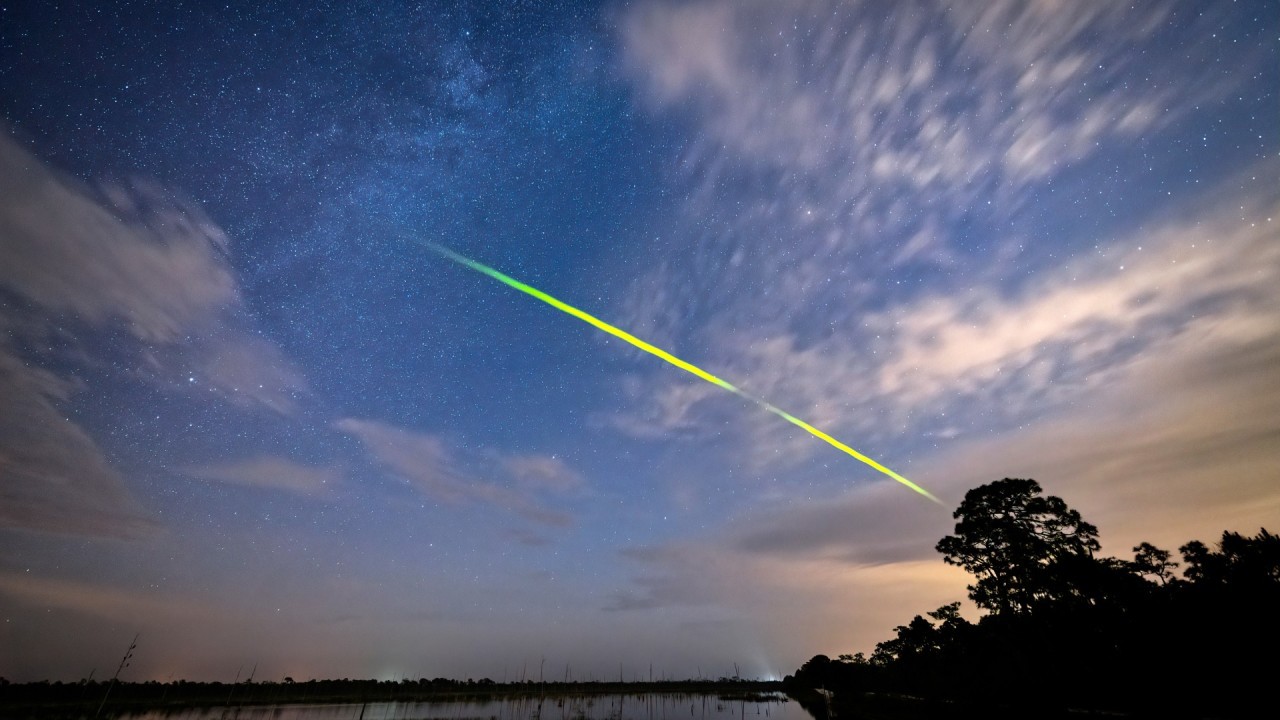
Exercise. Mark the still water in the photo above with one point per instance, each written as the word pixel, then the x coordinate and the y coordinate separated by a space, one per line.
pixel 647 706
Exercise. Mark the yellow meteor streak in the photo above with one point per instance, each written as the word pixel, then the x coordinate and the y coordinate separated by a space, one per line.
pixel 683 365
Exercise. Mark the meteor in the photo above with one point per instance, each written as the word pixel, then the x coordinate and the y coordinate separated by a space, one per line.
pixel 683 365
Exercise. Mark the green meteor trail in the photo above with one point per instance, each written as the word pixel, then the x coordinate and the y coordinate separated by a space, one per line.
pixel 686 366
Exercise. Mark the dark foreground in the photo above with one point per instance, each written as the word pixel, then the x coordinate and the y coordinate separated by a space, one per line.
pixel 57 701
pixel 1068 632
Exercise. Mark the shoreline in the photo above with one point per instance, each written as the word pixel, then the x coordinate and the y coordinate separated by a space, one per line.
pixel 47 701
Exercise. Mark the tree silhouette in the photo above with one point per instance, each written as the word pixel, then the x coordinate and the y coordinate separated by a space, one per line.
pixel 1149 560
pixel 1069 629
pixel 1241 561
pixel 913 639
pixel 921 638
pixel 1010 538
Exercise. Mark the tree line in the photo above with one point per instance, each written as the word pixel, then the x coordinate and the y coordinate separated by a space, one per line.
pixel 1067 629
pixel 45 700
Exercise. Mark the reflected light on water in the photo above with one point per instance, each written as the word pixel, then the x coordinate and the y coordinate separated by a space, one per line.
pixel 642 706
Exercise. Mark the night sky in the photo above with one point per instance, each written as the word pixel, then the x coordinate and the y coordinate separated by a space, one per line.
pixel 247 413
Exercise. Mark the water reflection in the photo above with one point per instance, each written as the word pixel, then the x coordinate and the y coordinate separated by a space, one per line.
pixel 645 706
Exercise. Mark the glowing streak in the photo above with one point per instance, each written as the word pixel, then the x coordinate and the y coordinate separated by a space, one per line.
pixel 686 366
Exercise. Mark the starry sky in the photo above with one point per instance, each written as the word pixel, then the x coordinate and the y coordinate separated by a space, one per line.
pixel 249 415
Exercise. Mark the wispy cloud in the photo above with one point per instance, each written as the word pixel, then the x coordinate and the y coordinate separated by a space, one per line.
pixel 816 603
pixel 932 95
pixel 103 602
pixel 867 526
pixel 250 371
pixel 136 258
pixel 543 472
pixel 432 466
pixel 53 476
pixel 839 142
pixel 941 363
pixel 833 136
pixel 1084 318
pixel 671 576
pixel 1186 447
pixel 120 280
pixel 273 473
pixel 152 264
